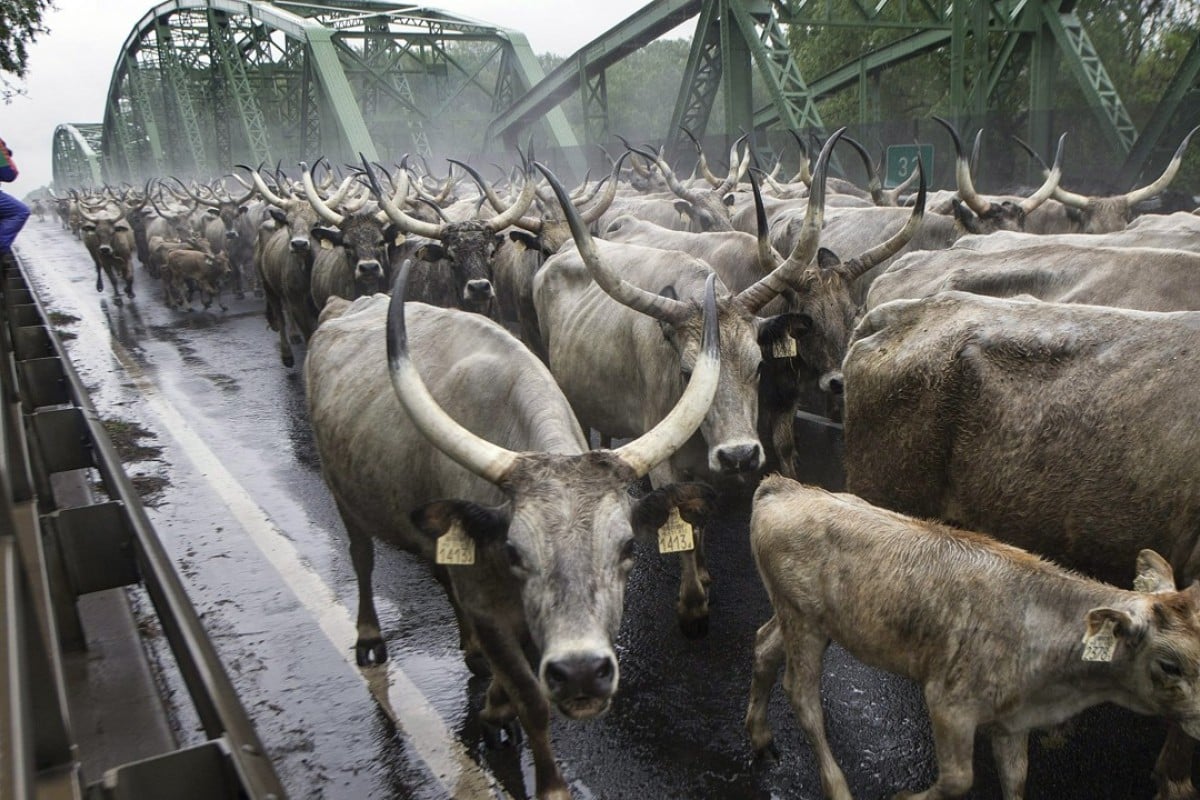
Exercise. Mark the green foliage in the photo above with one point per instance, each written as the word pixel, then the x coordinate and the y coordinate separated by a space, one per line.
pixel 20 25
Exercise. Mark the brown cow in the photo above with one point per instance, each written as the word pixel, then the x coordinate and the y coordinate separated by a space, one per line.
pixel 999 639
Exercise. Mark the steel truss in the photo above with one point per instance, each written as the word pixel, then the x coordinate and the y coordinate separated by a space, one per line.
pixel 201 85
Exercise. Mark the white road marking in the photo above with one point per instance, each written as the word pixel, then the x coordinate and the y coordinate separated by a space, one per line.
pixel 445 757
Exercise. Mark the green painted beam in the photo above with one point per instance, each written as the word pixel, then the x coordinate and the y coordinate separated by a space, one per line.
pixel 1182 82
pixel 76 162
pixel 701 79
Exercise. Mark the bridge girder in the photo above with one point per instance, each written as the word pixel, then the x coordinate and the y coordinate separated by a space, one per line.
pixel 200 85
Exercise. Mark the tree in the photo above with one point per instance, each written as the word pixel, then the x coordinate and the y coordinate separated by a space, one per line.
pixel 20 25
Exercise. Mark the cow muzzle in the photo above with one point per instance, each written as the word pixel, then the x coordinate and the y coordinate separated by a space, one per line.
pixel 231 234
pixel 105 250
pixel 739 459
pixel 299 244
pixel 580 684
pixel 478 290
pixel 832 382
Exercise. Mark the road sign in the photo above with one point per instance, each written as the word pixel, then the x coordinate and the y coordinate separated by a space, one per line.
pixel 902 162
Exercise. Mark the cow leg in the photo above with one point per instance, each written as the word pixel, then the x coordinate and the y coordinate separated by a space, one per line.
pixel 692 608
pixel 114 283
pixel 275 313
pixel 954 743
pixel 1012 761
pixel 468 642
pixel 127 274
pixel 769 655
pixel 369 646
pixel 99 278
pixel 805 649
pixel 1173 769
pixel 511 668
pixel 499 717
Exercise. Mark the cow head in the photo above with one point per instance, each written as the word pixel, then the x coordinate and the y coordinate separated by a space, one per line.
pixel 107 236
pixel 1154 642
pixel 708 210
pixel 469 246
pixel 564 536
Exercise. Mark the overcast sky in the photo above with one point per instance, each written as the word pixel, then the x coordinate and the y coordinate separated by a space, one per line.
pixel 69 68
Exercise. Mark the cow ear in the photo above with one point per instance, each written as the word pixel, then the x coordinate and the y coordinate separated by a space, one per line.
pixel 242 210
pixel 1107 629
pixel 431 252
pixel 482 523
pixel 1154 574
pixel 668 330
pixel 729 199
pixel 526 240
pixel 683 207
pixel 278 214
pixel 774 332
pixel 827 259
pixel 695 501
pixel 331 235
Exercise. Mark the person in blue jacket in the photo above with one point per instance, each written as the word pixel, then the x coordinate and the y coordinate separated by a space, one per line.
pixel 13 212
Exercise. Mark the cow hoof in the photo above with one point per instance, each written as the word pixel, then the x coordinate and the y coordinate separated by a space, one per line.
pixel 99 286
pixel 498 735
pixel 694 627
pixel 370 651
pixel 767 753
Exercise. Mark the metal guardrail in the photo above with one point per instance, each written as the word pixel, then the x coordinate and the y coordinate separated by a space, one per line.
pixel 50 555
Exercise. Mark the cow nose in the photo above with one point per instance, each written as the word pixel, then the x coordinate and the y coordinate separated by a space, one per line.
pixel 832 382
pixel 479 289
pixel 299 243
pixel 231 234
pixel 106 249
pixel 585 675
pixel 369 269
pixel 739 458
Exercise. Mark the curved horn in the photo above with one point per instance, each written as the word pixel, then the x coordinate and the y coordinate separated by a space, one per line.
pixel 1053 176
pixel 962 173
pixel 488 461
pixel 403 221
pixel 658 443
pixel 702 161
pixel 594 213
pixel 804 174
pixel 764 290
pixel 519 206
pixel 856 267
pixel 975 148
pixel 621 290
pixel 261 187
pixel 737 168
pixel 1060 194
pixel 668 174
pixel 874 186
pixel 323 211
pixel 1164 180
pixel 639 169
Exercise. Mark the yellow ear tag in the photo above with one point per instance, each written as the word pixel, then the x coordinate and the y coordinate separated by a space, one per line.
pixel 1101 645
pixel 675 536
pixel 784 347
pixel 400 239
pixel 326 244
pixel 455 547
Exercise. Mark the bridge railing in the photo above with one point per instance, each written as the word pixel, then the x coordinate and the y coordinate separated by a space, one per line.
pixel 52 551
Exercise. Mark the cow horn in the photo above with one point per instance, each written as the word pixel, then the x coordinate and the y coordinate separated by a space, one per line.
pixel 702 160
pixel 487 460
pixel 531 223
pixel 874 185
pixel 655 305
pixel 1053 176
pixel 1060 194
pixel 803 175
pixel 594 213
pixel 668 174
pixel 1164 180
pixel 519 206
pixel 323 211
pixel 406 223
pixel 962 173
pixel 261 186
pixel 657 444
pixel 737 168
pixel 766 288
pixel 857 267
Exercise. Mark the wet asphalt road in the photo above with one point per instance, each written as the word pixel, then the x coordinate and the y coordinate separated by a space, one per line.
pixel 236 494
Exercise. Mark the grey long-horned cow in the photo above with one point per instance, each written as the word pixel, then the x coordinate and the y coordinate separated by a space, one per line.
pixel 621 325
pixel 551 523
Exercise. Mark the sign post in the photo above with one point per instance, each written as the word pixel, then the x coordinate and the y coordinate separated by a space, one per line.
pixel 902 162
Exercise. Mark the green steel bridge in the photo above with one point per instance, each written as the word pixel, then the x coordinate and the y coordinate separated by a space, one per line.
pixel 200 85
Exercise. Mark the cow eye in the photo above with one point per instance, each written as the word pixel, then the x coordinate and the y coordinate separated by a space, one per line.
pixel 514 556
pixel 627 551
pixel 1170 668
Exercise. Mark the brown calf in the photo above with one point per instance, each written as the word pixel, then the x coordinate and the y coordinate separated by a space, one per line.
pixel 204 270
pixel 997 638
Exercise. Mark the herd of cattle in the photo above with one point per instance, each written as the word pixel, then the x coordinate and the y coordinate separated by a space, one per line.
pixel 1019 366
